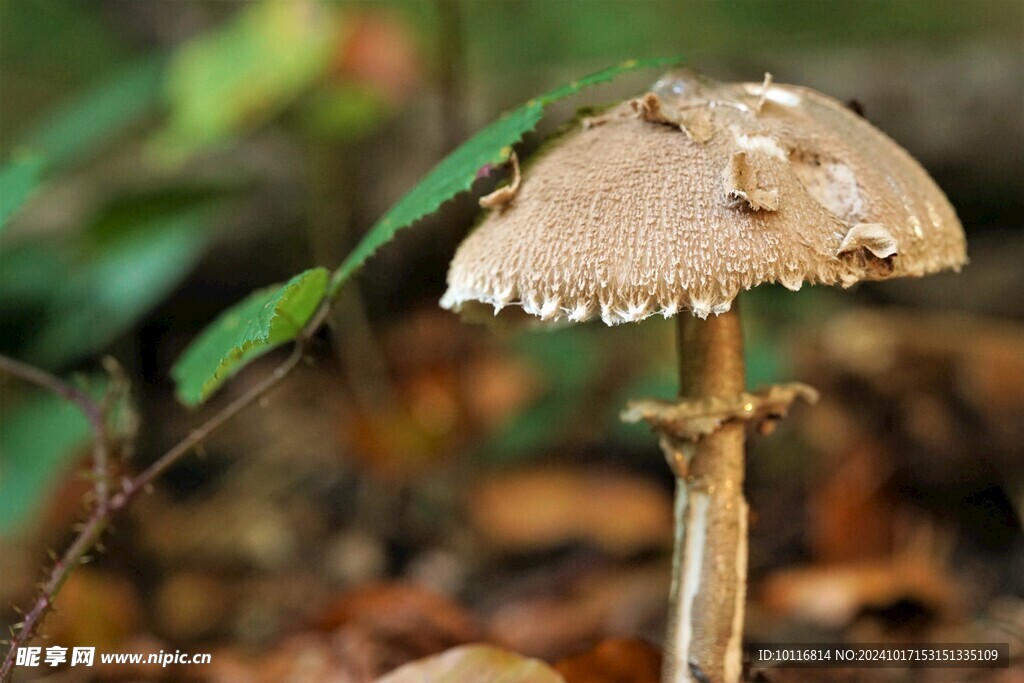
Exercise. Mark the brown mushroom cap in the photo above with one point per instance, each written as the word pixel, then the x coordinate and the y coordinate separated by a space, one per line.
pixel 680 200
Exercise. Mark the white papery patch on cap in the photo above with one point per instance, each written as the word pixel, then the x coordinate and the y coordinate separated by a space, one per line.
pixel 833 184
pixel 759 143
pixel 774 93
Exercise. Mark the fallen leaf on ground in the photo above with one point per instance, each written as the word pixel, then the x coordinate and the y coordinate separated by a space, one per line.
pixel 192 605
pixel 381 626
pixel 617 660
pixel 95 609
pixel 476 663
pixel 854 492
pixel 540 507
pixel 833 596
pixel 581 610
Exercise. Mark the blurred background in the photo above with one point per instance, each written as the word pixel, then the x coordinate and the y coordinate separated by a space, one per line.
pixel 425 482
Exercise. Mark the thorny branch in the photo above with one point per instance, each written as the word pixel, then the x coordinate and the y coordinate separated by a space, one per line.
pixel 111 502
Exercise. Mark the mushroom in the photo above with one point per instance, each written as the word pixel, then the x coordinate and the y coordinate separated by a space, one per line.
pixel 673 204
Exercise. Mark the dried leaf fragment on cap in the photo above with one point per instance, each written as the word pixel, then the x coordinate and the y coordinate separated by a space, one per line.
pixel 739 179
pixel 871 247
pixel 870 236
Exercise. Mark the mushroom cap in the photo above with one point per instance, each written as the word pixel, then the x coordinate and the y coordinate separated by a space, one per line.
pixel 680 200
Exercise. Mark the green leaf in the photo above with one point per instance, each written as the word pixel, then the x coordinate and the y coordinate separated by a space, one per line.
pixel 238 77
pixel 87 121
pixel 456 173
pixel 41 37
pixel 135 258
pixel 38 437
pixel 260 322
pixel 48 49
pixel 18 179
pixel 31 270
pixel 344 112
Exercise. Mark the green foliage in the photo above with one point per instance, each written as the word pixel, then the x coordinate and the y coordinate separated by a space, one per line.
pixel 125 264
pixel 37 439
pixel 742 33
pixel 48 49
pixel 344 111
pixel 82 125
pixel 262 321
pixel 30 272
pixel 240 76
pixel 457 171
pixel 18 179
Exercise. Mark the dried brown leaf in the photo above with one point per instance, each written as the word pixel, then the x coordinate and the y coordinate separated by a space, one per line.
pixel 546 506
pixel 477 663
pixel 616 660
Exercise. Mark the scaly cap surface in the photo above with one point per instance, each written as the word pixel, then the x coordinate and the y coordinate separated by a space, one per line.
pixel 681 199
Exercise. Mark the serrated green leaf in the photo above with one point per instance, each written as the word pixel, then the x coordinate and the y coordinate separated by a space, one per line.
pixel 18 180
pixel 457 171
pixel 260 322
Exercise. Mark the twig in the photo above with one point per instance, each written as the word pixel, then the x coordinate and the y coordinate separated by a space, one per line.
pixel 102 514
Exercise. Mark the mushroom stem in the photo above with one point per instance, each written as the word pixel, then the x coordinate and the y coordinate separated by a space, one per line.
pixel 705 625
